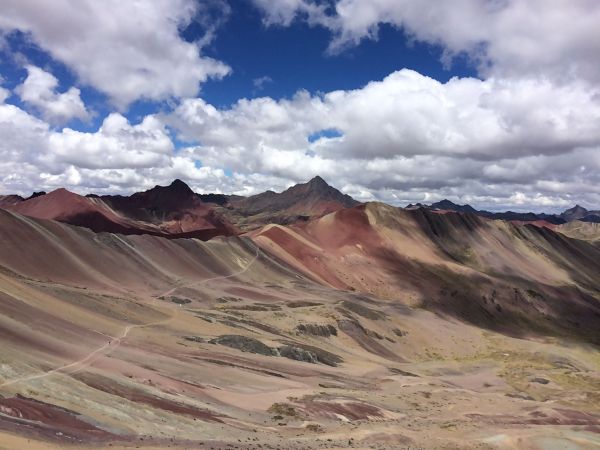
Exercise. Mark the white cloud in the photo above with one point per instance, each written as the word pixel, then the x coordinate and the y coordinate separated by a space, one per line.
pixel 125 49
pixel 116 145
pixel 119 157
pixel 21 135
pixel 4 93
pixel 260 82
pixel 409 137
pixel 558 39
pixel 403 115
pixel 406 138
pixel 525 136
pixel 39 90
pixel 283 12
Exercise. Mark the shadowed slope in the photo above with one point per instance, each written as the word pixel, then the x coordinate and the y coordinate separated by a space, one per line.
pixel 45 249
pixel 494 274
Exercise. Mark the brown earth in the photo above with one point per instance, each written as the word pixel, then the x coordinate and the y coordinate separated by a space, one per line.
pixel 106 339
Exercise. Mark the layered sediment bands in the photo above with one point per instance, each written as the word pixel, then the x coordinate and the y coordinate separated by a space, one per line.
pixel 48 250
pixel 310 336
pixel 515 278
pixel 48 421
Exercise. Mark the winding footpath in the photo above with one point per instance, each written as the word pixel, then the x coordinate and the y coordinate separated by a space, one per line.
pixel 114 343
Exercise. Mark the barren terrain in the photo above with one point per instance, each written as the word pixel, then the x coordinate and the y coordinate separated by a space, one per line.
pixel 301 337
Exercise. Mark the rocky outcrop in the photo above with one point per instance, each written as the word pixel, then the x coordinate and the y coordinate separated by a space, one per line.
pixel 298 354
pixel 309 353
pixel 244 343
pixel 290 350
pixel 316 329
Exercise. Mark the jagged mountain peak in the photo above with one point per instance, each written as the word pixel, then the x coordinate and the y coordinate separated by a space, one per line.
pixel 451 206
pixel 313 198
pixel 574 213
pixel 576 208
pixel 317 189
pixel 174 196
pixel 179 185
pixel 318 182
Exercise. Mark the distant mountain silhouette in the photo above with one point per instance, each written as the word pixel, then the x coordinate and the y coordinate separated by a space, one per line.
pixel 575 213
pixel 177 211
pixel 315 197
pixel 450 206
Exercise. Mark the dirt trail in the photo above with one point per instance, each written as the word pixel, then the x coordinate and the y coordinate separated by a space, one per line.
pixel 113 344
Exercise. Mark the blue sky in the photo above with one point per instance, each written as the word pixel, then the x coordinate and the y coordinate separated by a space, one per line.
pixel 483 102
pixel 287 59
pixel 295 57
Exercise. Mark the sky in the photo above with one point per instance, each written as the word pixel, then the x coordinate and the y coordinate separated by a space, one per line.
pixel 495 103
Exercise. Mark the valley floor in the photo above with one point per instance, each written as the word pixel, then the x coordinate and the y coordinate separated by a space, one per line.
pixel 402 378
pixel 233 349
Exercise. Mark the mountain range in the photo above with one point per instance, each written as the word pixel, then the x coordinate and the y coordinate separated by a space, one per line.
pixel 300 319
pixel 176 211
pixel 576 213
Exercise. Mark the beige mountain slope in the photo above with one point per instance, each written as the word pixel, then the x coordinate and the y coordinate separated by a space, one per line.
pixel 112 341
pixel 587 231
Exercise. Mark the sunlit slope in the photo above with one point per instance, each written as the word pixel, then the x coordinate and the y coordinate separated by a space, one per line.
pixel 492 273
pixel 112 341
pixel 587 231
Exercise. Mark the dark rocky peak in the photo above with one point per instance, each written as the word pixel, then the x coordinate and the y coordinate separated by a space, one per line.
pixel 175 191
pixel 451 206
pixel 318 189
pixel 308 199
pixel 574 213
pixel 173 197
pixel 36 194
pixel 415 206
pixel 178 187
pixel 318 184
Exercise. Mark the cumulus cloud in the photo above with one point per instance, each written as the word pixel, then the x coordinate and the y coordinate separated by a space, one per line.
pixel 524 135
pixel 127 50
pixel 260 82
pixel 116 145
pixel 4 94
pixel 22 138
pixel 403 139
pixel 39 90
pixel 409 137
pixel 283 12
pixel 119 157
pixel 406 114
pixel 503 37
